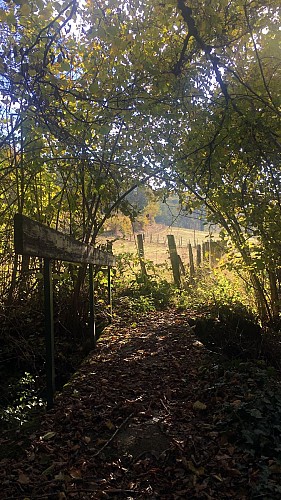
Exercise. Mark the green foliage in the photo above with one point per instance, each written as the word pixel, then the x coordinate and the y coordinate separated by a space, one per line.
pixel 214 291
pixel 134 305
pixel 252 421
pixel 143 293
pixel 225 290
pixel 188 97
pixel 217 293
pixel 25 400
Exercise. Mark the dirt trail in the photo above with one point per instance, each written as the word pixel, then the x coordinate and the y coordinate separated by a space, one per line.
pixel 136 421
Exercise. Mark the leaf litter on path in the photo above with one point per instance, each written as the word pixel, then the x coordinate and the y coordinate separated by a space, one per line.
pixel 142 418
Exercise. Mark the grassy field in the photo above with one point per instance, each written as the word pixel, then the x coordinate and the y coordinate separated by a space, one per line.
pixel 155 242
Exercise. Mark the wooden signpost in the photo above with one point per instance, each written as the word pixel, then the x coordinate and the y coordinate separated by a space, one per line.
pixel 34 239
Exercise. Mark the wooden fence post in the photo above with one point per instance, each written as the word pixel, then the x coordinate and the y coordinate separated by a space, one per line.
pixel 49 332
pixel 210 251
pixel 198 255
pixel 204 250
pixel 191 263
pixel 141 254
pixel 174 259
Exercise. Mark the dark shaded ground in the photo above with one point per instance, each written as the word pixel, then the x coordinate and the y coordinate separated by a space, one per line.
pixel 150 414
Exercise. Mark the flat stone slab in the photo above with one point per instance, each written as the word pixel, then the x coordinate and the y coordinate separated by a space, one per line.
pixel 140 438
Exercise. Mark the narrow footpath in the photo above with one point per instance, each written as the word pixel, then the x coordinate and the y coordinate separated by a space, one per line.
pixel 140 419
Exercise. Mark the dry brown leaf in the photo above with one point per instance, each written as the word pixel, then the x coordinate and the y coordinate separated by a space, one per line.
pixel 23 479
pixel 75 473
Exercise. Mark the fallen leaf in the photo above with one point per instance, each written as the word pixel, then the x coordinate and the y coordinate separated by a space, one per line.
pixel 275 469
pixel 109 425
pixel 23 479
pixel 60 476
pixel 48 470
pixel 75 447
pixel 219 478
pixel 100 441
pixel 48 435
pixel 198 471
pixel 236 403
pixel 199 406
pixel 75 473
pixel 233 472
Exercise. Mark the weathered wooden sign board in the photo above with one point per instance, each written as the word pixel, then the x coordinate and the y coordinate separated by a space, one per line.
pixel 36 240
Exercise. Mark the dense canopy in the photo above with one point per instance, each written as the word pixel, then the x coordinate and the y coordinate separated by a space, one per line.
pixel 98 97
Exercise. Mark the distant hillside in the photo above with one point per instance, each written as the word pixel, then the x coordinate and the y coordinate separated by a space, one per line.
pixel 171 214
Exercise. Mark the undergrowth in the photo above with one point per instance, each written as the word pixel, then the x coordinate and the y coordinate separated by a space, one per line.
pixel 249 418
pixel 211 292
pixel 23 352
pixel 139 293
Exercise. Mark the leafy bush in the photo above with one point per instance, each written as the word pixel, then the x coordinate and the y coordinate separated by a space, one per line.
pixel 217 293
pixel 136 305
pixel 144 292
